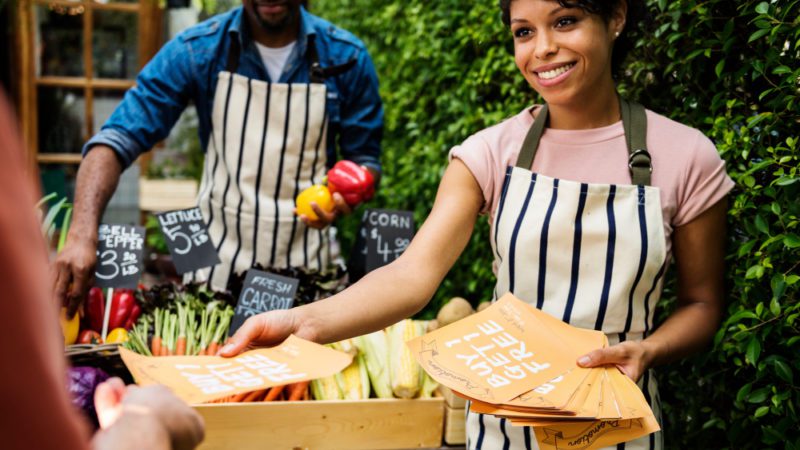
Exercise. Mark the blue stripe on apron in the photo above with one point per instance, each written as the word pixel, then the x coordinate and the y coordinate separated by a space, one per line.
pixel 647 299
pixel 260 171
pixel 280 174
pixel 642 257
pixel 214 170
pixel 239 186
pixel 466 420
pixel 527 433
pixel 612 239
pixel 314 181
pixel 506 182
pixel 297 179
pixel 506 440
pixel 481 432
pixel 512 249
pixel 228 176
pixel 576 253
pixel 646 391
pixel 543 246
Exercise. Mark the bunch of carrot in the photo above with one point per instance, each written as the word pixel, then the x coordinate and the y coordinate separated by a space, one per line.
pixel 288 392
pixel 185 327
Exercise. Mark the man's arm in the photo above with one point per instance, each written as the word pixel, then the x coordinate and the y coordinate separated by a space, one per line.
pixel 98 177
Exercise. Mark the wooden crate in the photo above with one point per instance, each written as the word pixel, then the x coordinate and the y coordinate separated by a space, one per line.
pixel 167 195
pixel 454 426
pixel 366 424
pixel 454 418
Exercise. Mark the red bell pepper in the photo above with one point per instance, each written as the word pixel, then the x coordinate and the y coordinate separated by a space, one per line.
pixel 355 183
pixel 123 304
pixel 134 316
pixel 89 337
pixel 94 309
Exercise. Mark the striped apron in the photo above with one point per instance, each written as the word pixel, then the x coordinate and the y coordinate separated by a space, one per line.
pixel 268 143
pixel 591 254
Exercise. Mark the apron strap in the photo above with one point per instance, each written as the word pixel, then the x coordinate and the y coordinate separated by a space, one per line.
pixel 634 121
pixel 234 50
pixel 318 74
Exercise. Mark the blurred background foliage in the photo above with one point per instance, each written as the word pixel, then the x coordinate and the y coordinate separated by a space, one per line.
pixel 728 68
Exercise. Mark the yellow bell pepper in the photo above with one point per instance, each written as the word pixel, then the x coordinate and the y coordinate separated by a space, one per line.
pixel 117 335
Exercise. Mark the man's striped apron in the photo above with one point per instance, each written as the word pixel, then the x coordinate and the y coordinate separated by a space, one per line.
pixel 268 143
pixel 593 255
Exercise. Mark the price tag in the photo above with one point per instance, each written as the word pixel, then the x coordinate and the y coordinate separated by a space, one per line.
pixel 386 235
pixel 119 256
pixel 188 240
pixel 262 292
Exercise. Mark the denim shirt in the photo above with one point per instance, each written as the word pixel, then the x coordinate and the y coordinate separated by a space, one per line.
pixel 187 67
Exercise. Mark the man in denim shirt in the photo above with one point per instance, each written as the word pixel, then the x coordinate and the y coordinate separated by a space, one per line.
pixel 277 89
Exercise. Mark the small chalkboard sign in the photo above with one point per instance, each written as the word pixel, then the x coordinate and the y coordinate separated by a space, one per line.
pixel 382 238
pixel 119 256
pixel 187 240
pixel 262 292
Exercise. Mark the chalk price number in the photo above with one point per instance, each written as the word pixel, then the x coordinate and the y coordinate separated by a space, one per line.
pixel 119 255
pixel 188 240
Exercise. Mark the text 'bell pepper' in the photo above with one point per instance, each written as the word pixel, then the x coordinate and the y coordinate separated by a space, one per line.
pixel 355 183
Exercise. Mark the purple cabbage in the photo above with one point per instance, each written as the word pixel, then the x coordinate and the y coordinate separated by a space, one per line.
pixel 82 383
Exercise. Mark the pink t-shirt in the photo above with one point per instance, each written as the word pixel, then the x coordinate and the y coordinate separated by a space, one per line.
pixel 687 169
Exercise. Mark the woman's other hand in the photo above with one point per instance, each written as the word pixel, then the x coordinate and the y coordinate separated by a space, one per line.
pixel 632 358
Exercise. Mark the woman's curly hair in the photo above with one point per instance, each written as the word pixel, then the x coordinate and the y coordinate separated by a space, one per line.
pixel 605 9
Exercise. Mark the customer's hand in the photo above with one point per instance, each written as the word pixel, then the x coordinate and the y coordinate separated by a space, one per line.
pixel 265 330
pixel 183 425
pixel 73 271
pixel 631 357
pixel 325 218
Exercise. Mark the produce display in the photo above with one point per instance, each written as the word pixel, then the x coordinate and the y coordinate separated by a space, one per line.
pixel 180 321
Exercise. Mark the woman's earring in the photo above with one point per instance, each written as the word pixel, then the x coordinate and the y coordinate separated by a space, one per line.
pixel 616 34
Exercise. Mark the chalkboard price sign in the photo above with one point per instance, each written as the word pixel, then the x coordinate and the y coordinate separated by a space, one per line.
pixel 187 240
pixel 119 256
pixel 262 292
pixel 386 235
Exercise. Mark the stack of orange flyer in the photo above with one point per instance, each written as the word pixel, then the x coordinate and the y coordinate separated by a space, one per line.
pixel 514 361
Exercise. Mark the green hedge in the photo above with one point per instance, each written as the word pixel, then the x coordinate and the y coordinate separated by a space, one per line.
pixel 728 68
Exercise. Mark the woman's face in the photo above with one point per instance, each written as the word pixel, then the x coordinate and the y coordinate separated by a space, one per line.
pixel 563 53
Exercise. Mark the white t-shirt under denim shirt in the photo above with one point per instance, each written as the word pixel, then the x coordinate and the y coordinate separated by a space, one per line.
pixel 275 59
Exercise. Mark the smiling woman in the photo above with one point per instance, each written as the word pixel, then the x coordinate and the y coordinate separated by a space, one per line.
pixel 589 197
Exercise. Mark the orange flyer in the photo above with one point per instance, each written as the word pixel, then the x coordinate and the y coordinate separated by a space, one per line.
pixel 200 379
pixel 495 355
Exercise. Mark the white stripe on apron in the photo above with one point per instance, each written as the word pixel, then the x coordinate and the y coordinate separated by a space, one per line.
pixel 268 144
pixel 592 255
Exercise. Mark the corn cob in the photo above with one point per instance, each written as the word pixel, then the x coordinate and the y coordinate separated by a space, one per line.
pixel 404 368
pixel 325 389
pixel 375 348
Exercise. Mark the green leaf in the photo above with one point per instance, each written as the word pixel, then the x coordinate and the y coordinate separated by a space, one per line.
pixel 775 307
pixel 792 279
pixel 758 35
pixel 756 271
pixel 761 411
pixel 780 70
pixel 753 351
pixel 718 69
pixel 784 371
pixel 761 224
pixel 762 8
pixel 791 240
pixel 786 181
pixel 758 396
pixel 744 391
pixel 776 208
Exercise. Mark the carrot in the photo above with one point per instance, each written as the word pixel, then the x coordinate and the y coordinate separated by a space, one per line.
pixel 297 390
pixel 274 393
pixel 253 396
pixel 239 397
pixel 156 346
pixel 212 348
pixel 180 346
pixel 305 394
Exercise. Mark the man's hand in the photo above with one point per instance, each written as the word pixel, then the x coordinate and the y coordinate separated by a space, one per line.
pixel 73 271
pixel 114 402
pixel 632 358
pixel 264 330
pixel 341 208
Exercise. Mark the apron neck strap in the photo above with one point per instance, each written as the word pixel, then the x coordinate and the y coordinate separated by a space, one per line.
pixel 634 121
pixel 234 50
pixel 317 73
